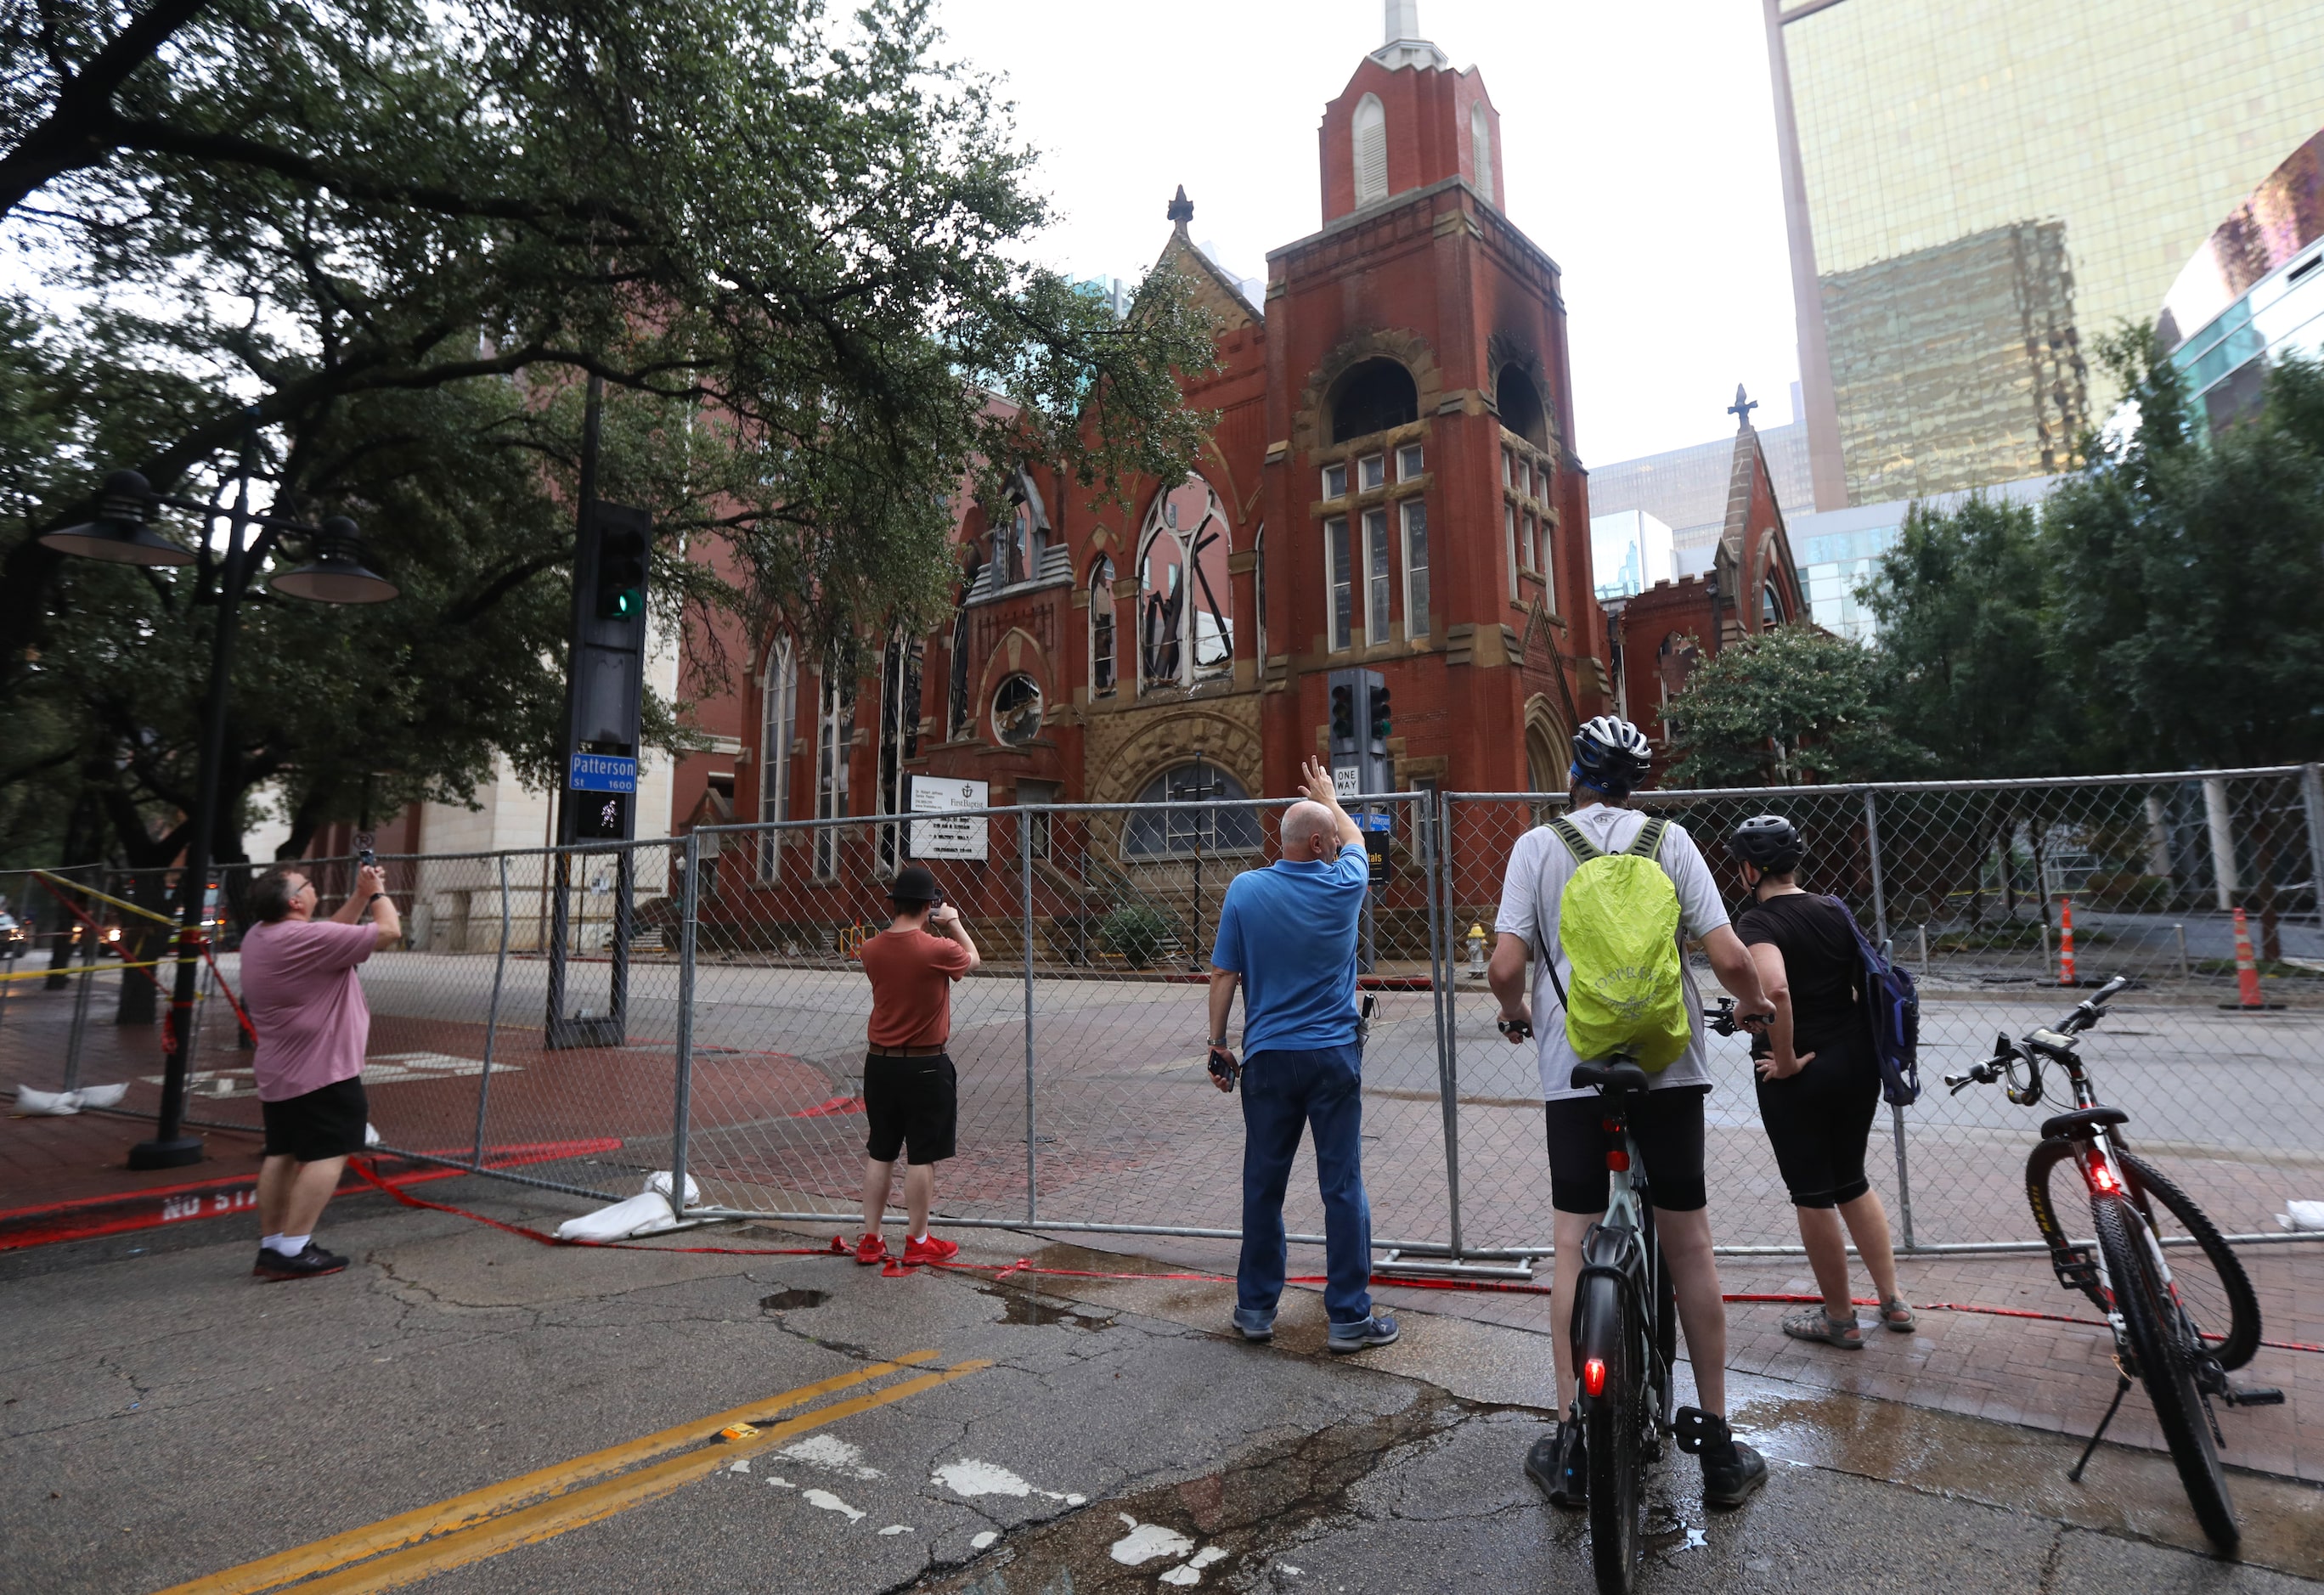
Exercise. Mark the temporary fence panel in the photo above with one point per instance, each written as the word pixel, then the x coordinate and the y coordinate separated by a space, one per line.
pixel 709 1012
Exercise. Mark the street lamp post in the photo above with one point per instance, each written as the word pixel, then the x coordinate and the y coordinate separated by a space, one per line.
pixel 333 572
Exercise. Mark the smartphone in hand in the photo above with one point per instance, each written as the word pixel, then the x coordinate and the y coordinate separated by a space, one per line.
pixel 1224 1070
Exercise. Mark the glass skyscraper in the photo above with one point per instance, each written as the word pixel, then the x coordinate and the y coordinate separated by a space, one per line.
pixel 1977 191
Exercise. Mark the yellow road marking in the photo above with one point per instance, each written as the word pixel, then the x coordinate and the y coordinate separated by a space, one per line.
pixel 533 1525
pixel 478 1506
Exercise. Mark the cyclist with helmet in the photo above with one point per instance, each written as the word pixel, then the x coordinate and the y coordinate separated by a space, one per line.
pixel 1818 1082
pixel 1610 758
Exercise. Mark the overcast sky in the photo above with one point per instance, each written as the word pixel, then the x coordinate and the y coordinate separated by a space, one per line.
pixel 1638 145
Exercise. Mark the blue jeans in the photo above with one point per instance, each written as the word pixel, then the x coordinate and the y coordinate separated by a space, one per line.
pixel 1282 1090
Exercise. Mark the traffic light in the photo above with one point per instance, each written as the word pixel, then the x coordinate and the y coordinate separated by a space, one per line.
pixel 1380 729
pixel 1343 714
pixel 621 573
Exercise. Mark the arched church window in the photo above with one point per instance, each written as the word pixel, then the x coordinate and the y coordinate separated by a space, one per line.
pixel 778 713
pixel 1480 145
pixel 1102 640
pixel 1372 397
pixel 1520 402
pixel 1160 833
pixel 1185 620
pixel 958 711
pixel 1017 710
pixel 1771 607
pixel 1368 131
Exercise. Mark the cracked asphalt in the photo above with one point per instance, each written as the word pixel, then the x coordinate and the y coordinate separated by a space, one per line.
pixel 163 1418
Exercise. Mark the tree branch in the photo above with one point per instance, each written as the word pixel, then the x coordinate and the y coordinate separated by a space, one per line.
pixel 76 132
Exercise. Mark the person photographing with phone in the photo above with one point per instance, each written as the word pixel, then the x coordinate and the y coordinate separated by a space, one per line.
pixel 910 1090
pixel 1288 938
pixel 307 1009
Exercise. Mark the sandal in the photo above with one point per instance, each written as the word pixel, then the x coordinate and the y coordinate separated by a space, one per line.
pixel 1814 1324
pixel 1897 1314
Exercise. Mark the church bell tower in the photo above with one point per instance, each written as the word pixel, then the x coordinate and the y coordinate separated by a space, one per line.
pixel 1435 517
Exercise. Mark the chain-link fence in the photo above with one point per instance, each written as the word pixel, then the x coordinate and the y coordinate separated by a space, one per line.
pixel 580 1018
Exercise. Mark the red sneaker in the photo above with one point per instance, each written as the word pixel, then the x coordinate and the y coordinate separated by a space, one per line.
pixel 930 1249
pixel 870 1249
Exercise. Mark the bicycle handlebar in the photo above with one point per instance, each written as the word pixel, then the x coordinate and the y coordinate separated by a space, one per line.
pixel 2034 1045
pixel 1724 1020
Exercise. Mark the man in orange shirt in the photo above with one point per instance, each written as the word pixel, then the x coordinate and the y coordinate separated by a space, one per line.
pixel 910 1088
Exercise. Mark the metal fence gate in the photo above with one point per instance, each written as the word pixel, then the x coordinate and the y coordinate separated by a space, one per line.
pixel 714 1010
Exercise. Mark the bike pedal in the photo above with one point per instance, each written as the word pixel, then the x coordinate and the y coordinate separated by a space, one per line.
pixel 2253 1396
pixel 2076 1270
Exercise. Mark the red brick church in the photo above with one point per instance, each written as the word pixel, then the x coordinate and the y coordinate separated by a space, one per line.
pixel 1391 486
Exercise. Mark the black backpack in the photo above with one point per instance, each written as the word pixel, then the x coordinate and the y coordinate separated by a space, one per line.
pixel 1892 1003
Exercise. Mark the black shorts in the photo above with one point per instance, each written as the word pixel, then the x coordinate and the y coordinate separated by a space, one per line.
pixel 1819 1119
pixel 910 1102
pixel 325 1123
pixel 1667 1125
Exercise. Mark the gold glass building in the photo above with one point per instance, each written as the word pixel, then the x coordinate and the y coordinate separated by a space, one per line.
pixel 1977 190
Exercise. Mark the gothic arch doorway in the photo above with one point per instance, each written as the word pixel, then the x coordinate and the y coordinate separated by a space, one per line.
pixel 1547 754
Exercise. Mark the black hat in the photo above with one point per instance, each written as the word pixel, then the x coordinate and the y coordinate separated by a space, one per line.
pixel 914 884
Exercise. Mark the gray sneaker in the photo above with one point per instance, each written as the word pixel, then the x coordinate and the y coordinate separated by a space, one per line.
pixel 1254 1326
pixel 1378 1330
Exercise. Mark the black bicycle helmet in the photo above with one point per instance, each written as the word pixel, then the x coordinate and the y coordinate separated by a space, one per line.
pixel 1611 756
pixel 1770 842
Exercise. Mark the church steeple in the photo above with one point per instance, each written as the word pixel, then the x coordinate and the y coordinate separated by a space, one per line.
pixel 1403 46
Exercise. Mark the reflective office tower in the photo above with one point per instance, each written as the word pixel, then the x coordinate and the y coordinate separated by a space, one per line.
pixel 1977 191
pixel 2254 294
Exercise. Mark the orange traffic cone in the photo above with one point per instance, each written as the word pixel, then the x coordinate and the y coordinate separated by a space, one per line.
pixel 2066 943
pixel 2248 995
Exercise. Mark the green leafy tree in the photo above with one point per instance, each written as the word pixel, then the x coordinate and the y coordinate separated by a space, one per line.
pixel 2184 605
pixel 1785 706
pixel 398 236
pixel 2186 574
pixel 1964 644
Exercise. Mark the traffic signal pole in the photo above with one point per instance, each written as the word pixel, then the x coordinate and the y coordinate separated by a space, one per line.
pixel 604 688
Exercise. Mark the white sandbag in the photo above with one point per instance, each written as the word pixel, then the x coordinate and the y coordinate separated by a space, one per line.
pixel 370 1133
pixel 646 1213
pixel 2302 1215
pixel 47 1104
pixel 103 1096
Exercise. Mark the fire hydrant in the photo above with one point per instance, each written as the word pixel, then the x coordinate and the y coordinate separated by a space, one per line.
pixel 1476 951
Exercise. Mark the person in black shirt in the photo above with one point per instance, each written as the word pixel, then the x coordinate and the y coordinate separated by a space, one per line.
pixel 1819 1084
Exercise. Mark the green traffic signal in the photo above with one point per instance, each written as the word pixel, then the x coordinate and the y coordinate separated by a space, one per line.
pixel 621 575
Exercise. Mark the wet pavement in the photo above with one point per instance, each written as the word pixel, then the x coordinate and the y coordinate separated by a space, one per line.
pixel 162 1418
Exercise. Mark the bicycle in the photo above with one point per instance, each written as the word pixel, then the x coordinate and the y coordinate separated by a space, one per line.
pixel 2179 1334
pixel 1624 1331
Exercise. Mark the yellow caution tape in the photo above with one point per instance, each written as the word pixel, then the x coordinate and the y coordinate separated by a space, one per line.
pixel 127 907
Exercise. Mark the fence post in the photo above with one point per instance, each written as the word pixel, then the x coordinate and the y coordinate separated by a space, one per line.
pixel 688 903
pixel 1430 811
pixel 90 938
pixel 1872 847
pixel 492 1016
pixel 2312 795
pixel 1025 879
pixel 1449 1047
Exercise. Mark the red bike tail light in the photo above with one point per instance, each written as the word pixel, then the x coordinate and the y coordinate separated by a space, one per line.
pixel 2102 1179
pixel 1593 1377
pixel 1618 1160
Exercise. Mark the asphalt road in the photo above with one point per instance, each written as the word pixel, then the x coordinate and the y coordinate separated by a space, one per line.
pixel 163 1418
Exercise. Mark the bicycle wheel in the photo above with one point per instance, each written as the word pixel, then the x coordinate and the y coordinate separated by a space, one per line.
pixel 2159 1344
pixel 2212 1288
pixel 1611 1424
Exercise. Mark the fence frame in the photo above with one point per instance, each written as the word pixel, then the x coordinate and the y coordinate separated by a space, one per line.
pixel 1432 816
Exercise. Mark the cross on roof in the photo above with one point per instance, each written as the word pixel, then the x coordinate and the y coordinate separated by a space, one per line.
pixel 1742 407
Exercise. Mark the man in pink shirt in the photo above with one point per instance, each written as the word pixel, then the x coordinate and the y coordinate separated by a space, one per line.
pixel 305 1003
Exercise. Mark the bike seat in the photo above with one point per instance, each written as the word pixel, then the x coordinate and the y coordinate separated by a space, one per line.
pixel 1621 1075
pixel 2082 1121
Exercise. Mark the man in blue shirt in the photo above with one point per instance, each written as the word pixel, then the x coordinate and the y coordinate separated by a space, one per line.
pixel 1287 935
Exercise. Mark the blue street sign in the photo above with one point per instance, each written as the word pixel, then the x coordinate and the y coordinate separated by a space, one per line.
pixel 601 772
pixel 1376 822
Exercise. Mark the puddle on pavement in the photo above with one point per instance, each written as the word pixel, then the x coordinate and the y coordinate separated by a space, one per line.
pixel 785 1301
pixel 1021 1306
pixel 1218 1531
pixel 2127 1490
